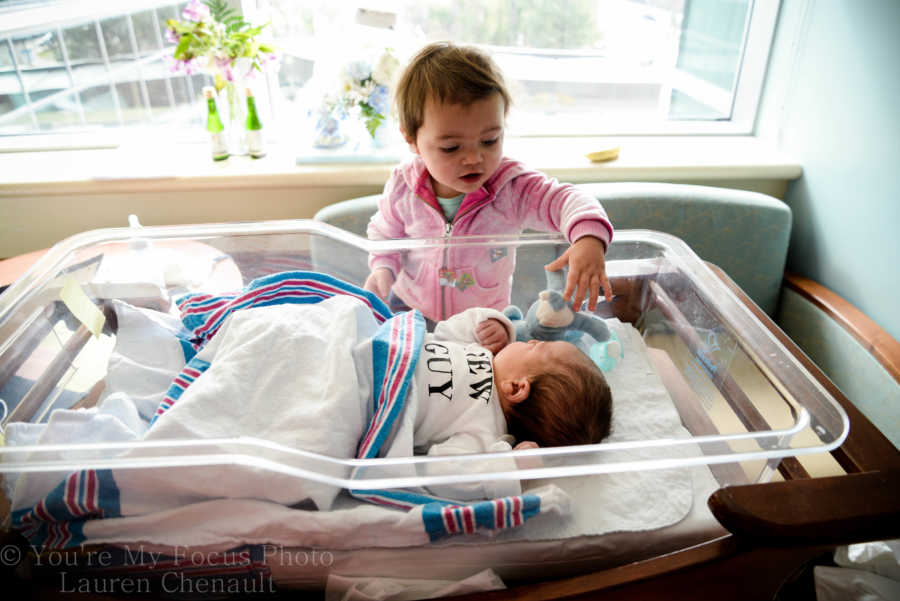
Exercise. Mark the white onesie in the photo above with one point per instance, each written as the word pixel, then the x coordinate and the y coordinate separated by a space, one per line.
pixel 455 402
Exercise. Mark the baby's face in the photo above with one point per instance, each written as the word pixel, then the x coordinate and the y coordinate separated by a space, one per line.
pixel 461 144
pixel 527 359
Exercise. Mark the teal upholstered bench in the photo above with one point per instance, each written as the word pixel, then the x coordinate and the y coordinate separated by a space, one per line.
pixel 744 233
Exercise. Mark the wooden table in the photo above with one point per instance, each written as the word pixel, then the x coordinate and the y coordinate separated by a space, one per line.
pixel 13 268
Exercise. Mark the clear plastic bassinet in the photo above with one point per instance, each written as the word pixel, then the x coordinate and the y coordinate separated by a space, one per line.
pixel 753 402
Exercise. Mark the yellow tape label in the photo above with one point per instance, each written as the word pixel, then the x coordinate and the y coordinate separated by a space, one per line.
pixel 82 306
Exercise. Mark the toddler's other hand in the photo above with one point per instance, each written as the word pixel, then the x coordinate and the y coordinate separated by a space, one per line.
pixel 492 335
pixel 380 282
pixel 587 272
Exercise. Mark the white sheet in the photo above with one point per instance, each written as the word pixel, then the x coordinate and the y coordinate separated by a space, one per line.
pixel 626 502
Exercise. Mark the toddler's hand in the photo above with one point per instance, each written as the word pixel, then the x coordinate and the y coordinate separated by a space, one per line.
pixel 380 282
pixel 587 272
pixel 492 335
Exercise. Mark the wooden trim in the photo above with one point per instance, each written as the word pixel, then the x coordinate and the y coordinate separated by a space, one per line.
pixel 591 583
pixel 865 448
pixel 834 510
pixel 869 334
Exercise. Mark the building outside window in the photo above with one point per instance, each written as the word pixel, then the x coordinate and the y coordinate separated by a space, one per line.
pixel 579 67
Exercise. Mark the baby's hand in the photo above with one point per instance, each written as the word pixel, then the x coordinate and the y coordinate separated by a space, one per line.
pixel 528 462
pixel 380 282
pixel 492 335
pixel 587 272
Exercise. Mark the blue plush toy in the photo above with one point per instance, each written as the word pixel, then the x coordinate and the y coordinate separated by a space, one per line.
pixel 550 318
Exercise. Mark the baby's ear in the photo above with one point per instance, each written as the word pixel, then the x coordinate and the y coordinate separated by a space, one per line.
pixel 515 391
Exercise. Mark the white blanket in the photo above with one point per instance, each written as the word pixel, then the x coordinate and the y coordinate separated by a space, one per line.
pixel 206 511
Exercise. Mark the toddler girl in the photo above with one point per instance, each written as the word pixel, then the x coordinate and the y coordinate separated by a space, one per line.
pixel 452 104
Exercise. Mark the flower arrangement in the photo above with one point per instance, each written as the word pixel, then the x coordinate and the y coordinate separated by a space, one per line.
pixel 213 38
pixel 365 86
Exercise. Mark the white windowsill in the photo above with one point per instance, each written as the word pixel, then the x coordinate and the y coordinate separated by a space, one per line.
pixel 173 167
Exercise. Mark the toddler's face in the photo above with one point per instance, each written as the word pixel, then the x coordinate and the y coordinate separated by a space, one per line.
pixel 461 144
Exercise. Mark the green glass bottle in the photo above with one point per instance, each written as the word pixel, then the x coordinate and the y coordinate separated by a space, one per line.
pixel 254 128
pixel 214 126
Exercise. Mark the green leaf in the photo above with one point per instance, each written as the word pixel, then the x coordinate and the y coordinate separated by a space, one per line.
pixel 181 49
pixel 373 122
pixel 218 9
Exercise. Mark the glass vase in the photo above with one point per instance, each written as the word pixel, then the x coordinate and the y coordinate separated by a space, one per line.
pixel 237 116
pixel 385 134
pixel 330 129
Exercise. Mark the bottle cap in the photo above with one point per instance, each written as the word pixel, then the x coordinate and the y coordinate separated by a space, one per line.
pixel 249 93
pixel 209 92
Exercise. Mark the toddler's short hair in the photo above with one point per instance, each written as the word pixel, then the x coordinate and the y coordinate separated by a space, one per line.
pixel 569 404
pixel 446 73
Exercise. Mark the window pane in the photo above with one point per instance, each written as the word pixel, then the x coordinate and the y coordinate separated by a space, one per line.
pixel 63 113
pixel 85 54
pixel 5 57
pixel 180 91
pixel 159 96
pixel 11 96
pixel 131 99
pixel 145 32
pixel 42 82
pixel 18 123
pixel 99 106
pixel 84 74
pixel 709 58
pixel 82 43
pixel 115 35
pixel 711 40
pixel 37 51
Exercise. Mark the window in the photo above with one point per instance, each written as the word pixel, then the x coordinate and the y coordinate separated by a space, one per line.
pixel 78 66
pixel 580 67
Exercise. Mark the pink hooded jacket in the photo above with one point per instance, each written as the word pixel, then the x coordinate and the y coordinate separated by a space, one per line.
pixel 441 282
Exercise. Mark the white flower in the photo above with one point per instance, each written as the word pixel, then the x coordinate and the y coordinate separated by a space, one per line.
pixel 385 69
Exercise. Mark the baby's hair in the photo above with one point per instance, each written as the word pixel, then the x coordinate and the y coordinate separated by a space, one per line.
pixel 446 73
pixel 569 404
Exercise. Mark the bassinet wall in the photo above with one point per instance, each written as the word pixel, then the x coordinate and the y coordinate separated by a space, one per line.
pixel 633 279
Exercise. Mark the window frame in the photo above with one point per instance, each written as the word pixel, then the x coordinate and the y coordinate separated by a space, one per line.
pixel 762 17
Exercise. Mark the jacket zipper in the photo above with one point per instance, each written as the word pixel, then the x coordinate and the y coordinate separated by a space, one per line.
pixel 448 231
